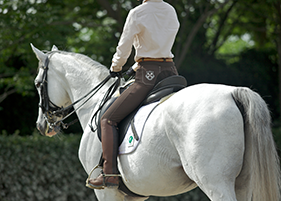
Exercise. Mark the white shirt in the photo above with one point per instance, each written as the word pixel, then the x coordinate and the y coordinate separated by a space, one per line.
pixel 151 28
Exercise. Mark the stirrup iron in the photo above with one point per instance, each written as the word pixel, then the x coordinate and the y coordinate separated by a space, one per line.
pixel 104 176
pixel 89 176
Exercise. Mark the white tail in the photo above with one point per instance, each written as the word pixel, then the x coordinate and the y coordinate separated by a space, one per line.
pixel 261 161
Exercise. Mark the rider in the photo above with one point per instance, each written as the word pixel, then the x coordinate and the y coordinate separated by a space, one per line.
pixel 151 28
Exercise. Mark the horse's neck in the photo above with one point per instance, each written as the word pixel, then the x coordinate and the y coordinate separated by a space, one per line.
pixel 79 79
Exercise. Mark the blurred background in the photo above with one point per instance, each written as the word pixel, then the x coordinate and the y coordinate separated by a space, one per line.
pixel 229 42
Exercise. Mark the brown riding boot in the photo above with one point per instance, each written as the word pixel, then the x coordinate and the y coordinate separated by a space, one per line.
pixel 110 175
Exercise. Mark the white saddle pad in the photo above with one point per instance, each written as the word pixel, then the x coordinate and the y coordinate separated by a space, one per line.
pixel 129 143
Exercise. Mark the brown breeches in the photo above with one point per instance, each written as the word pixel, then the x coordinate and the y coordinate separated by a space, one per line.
pixel 149 73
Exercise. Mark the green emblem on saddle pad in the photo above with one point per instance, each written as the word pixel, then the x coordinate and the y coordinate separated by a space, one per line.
pixel 131 141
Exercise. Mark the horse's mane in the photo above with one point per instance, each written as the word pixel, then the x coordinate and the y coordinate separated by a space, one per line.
pixel 83 58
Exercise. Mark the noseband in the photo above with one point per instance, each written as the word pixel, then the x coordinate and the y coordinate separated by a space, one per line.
pixel 51 110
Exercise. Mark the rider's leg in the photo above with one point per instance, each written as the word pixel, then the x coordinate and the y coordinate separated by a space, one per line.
pixel 131 98
pixel 122 106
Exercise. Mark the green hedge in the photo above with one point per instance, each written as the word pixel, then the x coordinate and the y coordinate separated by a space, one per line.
pixel 38 168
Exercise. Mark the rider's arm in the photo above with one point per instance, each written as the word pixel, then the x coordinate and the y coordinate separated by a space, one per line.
pixel 124 47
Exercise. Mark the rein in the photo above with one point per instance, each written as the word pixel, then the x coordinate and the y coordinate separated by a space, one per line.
pixel 50 109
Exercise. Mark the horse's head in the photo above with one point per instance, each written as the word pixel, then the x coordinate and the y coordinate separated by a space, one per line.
pixel 52 94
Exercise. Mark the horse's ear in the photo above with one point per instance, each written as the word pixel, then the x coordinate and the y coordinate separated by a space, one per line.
pixel 55 48
pixel 39 54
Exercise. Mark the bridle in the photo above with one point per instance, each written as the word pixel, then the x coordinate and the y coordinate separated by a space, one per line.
pixel 51 111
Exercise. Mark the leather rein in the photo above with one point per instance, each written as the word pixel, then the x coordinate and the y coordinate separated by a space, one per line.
pixel 51 110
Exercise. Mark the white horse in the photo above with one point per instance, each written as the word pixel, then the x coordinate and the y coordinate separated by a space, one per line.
pixel 198 137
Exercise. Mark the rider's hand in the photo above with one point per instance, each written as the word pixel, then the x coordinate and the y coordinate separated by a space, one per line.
pixel 115 74
pixel 130 72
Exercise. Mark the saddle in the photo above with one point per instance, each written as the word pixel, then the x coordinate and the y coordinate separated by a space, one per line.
pixel 162 89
